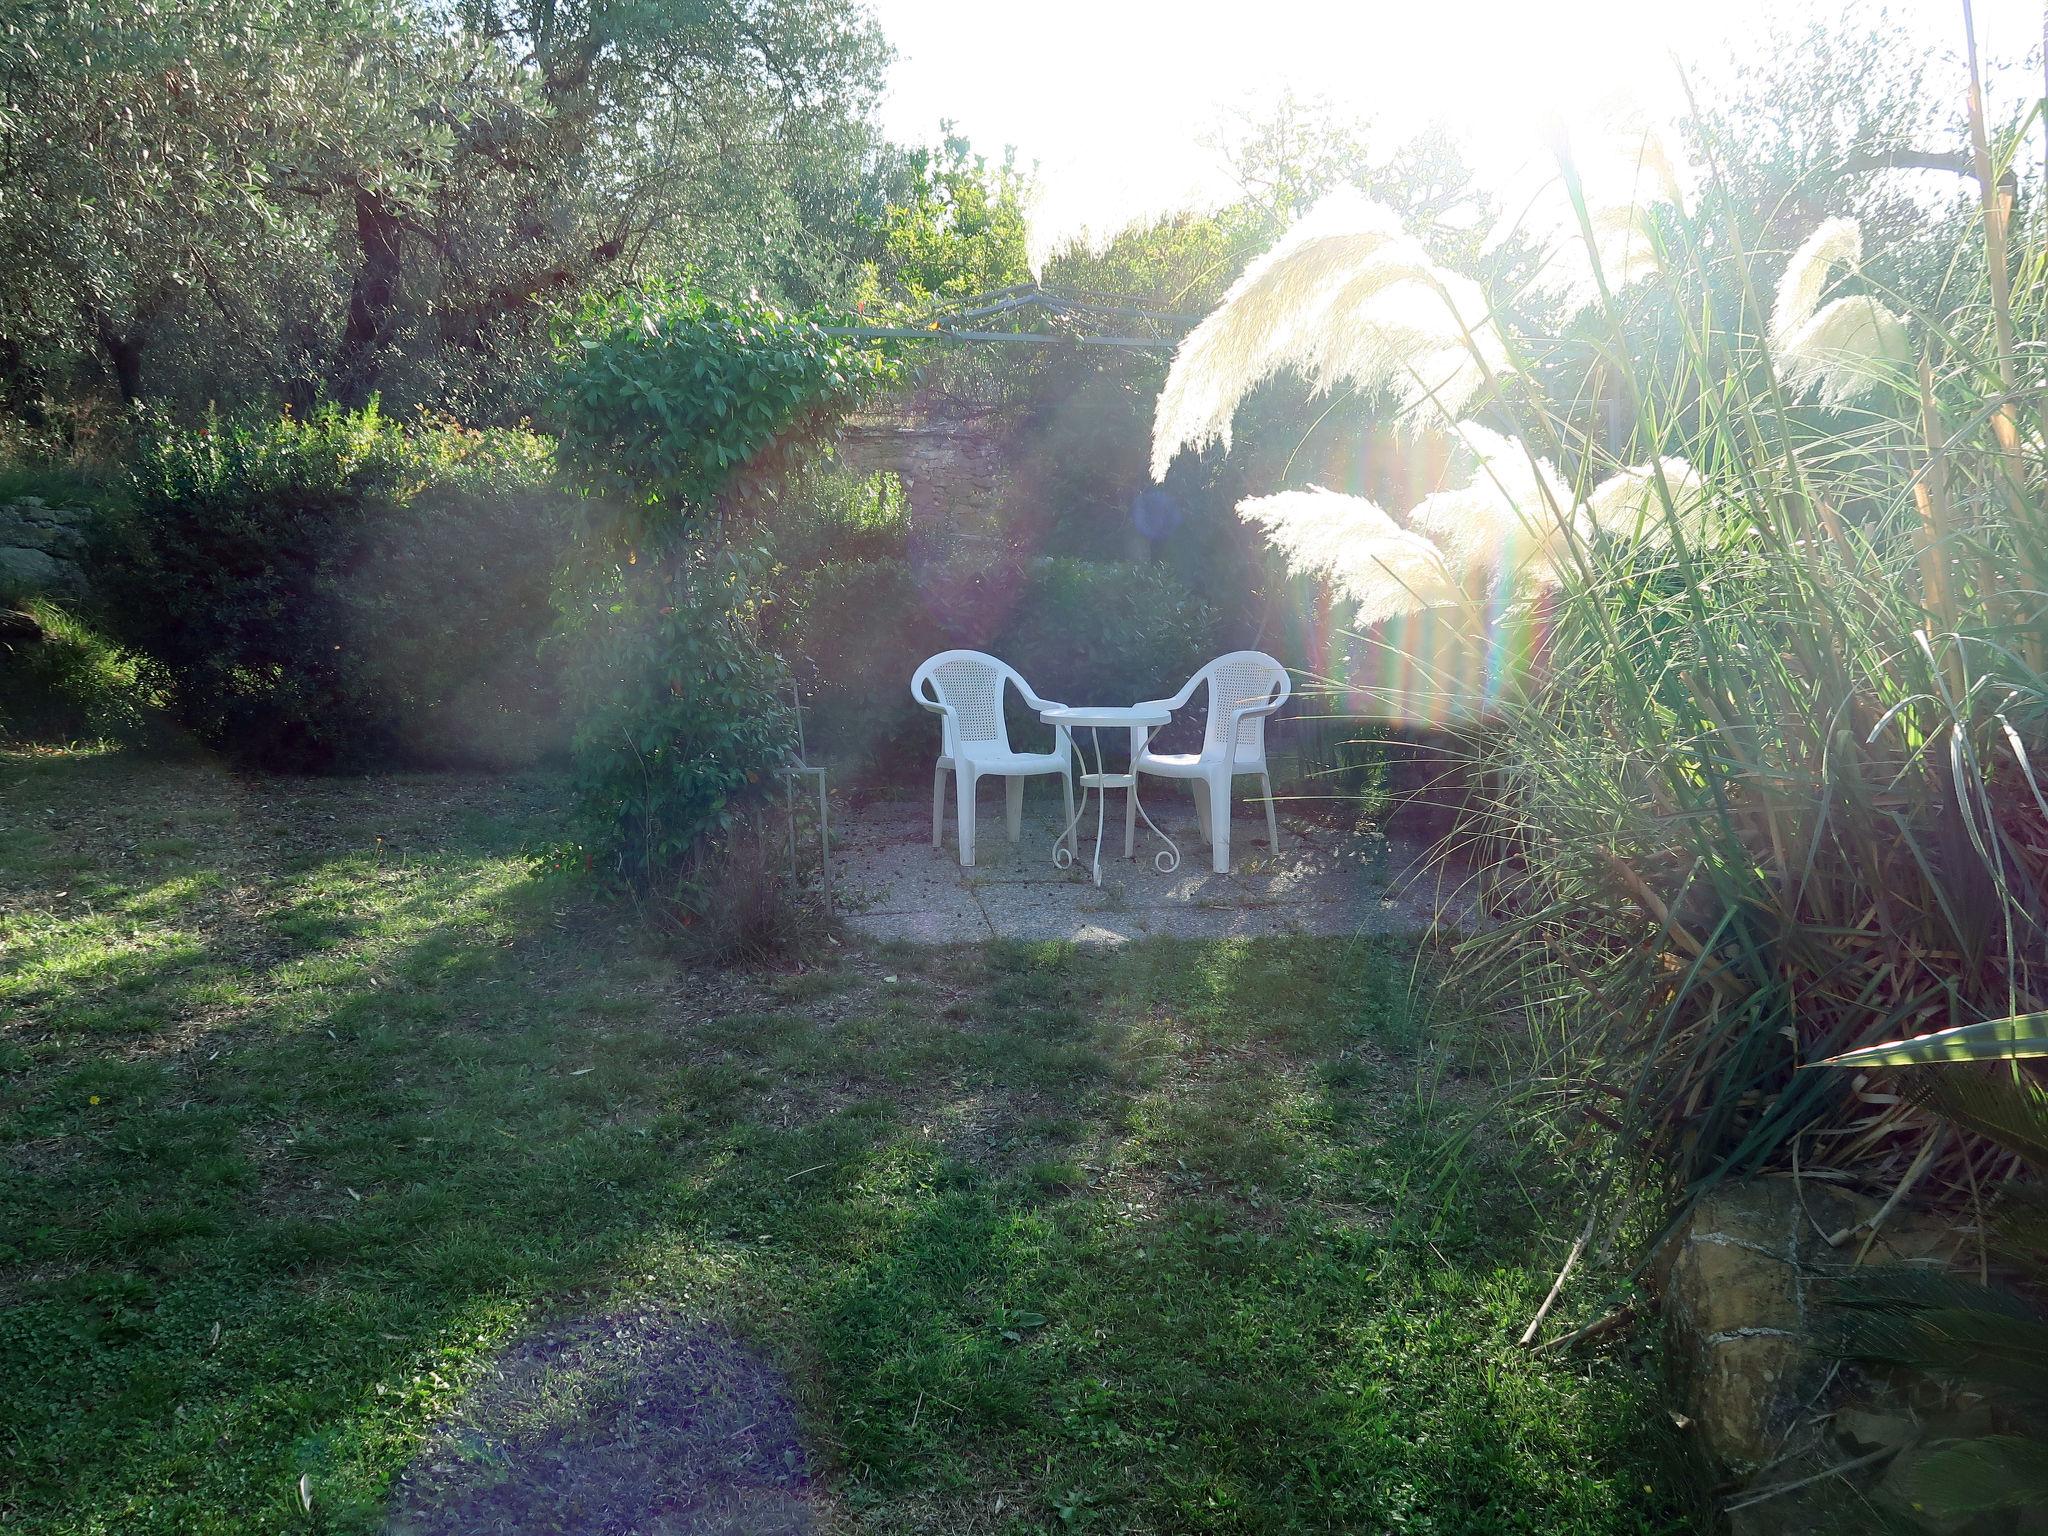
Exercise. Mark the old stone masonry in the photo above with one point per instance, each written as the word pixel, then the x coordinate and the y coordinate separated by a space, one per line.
pixel 40 547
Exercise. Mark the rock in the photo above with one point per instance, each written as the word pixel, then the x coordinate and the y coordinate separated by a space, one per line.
pixel 1916 1238
pixel 18 628
pixel 1764 1214
pixel 1746 1286
pixel 33 523
pixel 31 570
pixel 40 546
pixel 1973 1422
pixel 1742 1391
pixel 1735 1316
pixel 1725 1286
pixel 1904 1236
pixel 1867 1430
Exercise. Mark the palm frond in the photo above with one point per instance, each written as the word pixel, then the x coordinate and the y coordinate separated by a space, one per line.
pixel 2021 1036
pixel 1982 1476
pixel 2004 1107
pixel 1946 1326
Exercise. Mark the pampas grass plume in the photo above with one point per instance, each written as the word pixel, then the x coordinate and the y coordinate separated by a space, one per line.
pixel 1841 349
pixel 1353 544
pixel 1346 295
pixel 1627 504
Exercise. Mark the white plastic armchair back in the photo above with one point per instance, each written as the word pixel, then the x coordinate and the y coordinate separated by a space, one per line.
pixel 1243 680
pixel 965 689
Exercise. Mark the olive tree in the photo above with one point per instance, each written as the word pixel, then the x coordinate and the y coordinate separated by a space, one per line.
pixel 302 199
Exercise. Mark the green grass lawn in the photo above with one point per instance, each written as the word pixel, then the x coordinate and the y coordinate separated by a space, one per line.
pixel 336 1144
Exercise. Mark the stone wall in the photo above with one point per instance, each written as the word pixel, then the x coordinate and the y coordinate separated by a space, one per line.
pixel 40 547
pixel 952 470
pixel 1769 1406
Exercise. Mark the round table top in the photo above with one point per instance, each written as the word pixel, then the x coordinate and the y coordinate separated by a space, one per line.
pixel 1106 714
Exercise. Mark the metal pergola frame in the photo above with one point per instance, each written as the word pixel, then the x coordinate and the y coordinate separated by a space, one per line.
pixel 1019 298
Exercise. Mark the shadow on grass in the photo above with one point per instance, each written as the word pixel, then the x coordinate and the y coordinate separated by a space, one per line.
pixel 628 1423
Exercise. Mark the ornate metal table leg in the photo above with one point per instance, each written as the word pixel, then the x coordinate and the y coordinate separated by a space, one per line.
pixel 1167 859
pixel 1068 846
pixel 1101 801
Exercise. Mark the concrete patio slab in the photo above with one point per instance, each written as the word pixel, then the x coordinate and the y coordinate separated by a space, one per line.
pixel 893 885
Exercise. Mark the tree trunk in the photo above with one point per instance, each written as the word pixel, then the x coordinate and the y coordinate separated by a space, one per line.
pixel 124 356
pixel 21 391
pixel 371 300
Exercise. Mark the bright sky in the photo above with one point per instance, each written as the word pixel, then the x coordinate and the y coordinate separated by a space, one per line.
pixel 1112 98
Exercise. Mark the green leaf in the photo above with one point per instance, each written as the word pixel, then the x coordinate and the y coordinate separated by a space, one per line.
pixel 1963 1477
pixel 2010 1039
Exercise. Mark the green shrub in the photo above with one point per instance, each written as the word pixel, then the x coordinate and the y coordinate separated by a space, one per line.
pixel 683 720
pixel 1106 632
pixel 686 421
pixel 451 601
pixel 834 515
pixel 854 631
pixel 674 407
pixel 339 591
pixel 56 485
pixel 74 684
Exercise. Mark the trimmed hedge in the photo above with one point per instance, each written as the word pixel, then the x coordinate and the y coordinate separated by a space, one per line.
pixel 342 592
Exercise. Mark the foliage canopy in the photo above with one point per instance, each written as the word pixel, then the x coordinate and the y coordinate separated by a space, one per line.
pixel 307 199
pixel 668 399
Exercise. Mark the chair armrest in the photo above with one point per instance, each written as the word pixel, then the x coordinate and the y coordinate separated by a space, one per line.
pixel 1035 701
pixel 1250 712
pixel 926 701
pixel 1178 701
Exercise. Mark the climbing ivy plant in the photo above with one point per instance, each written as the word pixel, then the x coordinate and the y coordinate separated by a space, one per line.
pixel 679 417
pixel 677 410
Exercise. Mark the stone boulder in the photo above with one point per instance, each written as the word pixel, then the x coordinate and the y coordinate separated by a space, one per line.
pixel 18 628
pixel 1735 1310
pixel 41 545
pixel 1776 1416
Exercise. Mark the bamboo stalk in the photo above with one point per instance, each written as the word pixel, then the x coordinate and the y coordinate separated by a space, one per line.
pixel 1931 497
pixel 1996 203
pixel 1613 1322
pixel 1557 1286
pixel 1654 906
pixel 1840 1469
pixel 1921 1161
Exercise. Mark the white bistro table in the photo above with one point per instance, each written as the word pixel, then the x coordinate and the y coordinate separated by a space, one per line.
pixel 1141 721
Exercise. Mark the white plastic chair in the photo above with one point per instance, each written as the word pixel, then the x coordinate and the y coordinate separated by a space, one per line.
pixel 965 690
pixel 1244 688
